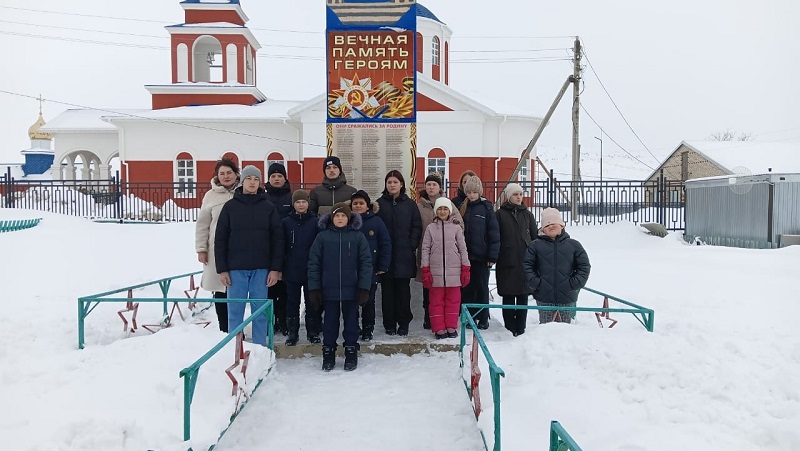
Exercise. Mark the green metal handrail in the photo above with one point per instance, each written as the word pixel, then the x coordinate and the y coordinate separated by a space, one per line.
pixel 560 440
pixel 494 371
pixel 647 319
pixel 87 304
pixel 191 372
pixel 18 224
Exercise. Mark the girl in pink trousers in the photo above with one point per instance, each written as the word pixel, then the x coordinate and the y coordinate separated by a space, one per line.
pixel 445 268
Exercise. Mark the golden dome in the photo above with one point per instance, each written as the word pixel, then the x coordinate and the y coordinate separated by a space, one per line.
pixel 34 132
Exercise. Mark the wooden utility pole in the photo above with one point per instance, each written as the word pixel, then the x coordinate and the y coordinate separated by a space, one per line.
pixel 576 106
pixel 527 152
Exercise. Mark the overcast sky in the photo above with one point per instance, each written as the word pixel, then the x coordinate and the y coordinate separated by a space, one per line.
pixel 678 71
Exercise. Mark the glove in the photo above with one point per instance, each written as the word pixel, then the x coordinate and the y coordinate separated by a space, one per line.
pixel 427 277
pixel 464 276
pixel 363 297
pixel 314 299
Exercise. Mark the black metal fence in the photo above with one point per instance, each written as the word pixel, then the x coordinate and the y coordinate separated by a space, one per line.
pixel 585 202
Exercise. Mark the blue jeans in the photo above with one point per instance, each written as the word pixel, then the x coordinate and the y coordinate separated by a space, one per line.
pixel 254 283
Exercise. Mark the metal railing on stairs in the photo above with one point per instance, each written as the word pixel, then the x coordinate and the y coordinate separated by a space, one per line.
pixel 563 442
pixel 18 224
pixel 87 304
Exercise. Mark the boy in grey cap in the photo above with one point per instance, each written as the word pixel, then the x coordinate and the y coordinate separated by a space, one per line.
pixel 249 249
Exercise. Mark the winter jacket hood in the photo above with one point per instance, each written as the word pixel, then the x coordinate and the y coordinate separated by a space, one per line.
pixel 354 223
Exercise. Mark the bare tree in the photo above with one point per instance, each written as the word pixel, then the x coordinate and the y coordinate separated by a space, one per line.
pixel 730 135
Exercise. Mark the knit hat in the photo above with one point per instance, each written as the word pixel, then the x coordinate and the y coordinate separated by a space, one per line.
pixel 473 185
pixel 443 202
pixel 334 160
pixel 276 168
pixel 251 171
pixel 341 207
pixel 434 177
pixel 512 188
pixel 361 194
pixel 299 195
pixel 551 216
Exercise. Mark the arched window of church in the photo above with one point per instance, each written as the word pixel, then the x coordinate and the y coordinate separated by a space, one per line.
pixel 207 59
pixel 185 175
pixel 435 51
pixel 232 156
pixel 275 157
pixel 437 162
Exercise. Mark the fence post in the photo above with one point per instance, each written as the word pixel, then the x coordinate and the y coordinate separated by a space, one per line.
pixel 116 185
pixel 7 181
pixel 551 190
pixel 661 193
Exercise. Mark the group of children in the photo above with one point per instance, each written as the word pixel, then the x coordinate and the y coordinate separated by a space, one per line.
pixel 334 261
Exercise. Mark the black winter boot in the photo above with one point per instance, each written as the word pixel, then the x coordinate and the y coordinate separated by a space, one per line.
pixel 329 358
pixel 426 321
pixel 312 330
pixel 350 358
pixel 366 333
pixel 293 324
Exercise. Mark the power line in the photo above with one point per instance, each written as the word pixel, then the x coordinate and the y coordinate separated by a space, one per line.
pixel 316 47
pixel 605 132
pixel 591 66
pixel 161 22
pixel 250 135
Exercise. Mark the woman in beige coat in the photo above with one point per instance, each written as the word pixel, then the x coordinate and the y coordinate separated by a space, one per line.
pixel 222 185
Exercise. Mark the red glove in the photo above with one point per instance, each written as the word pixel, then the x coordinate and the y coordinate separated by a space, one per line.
pixel 427 277
pixel 464 276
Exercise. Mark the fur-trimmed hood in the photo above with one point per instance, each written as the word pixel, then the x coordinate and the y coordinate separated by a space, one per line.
pixel 355 222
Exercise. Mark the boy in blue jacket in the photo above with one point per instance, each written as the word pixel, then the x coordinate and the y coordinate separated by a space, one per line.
pixel 380 247
pixel 299 230
pixel 340 276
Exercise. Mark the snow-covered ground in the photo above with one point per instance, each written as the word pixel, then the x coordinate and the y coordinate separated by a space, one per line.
pixel 721 370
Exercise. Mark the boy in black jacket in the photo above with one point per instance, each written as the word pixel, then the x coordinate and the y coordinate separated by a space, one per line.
pixel 340 275
pixel 300 229
pixel 249 250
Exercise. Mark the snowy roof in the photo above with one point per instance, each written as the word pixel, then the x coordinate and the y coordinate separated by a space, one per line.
pixel 86 120
pixel 426 13
pixel 268 110
pixel 757 157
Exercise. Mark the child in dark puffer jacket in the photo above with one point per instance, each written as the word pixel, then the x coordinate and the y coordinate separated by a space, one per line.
pixel 340 275
pixel 556 268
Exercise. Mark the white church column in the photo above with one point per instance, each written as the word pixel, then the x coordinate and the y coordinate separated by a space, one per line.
pixel 105 171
